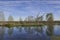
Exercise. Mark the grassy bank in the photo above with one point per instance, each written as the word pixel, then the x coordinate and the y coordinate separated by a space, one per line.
pixel 11 25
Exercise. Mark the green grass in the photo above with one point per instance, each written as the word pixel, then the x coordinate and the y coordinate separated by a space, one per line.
pixel 11 25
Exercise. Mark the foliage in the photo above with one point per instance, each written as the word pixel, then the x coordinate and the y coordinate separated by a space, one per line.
pixel 49 17
pixel 9 25
pixel 2 17
pixel 10 18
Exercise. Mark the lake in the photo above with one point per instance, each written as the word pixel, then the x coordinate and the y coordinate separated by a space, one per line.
pixel 30 32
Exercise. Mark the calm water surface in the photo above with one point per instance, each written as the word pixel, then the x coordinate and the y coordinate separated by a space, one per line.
pixel 29 33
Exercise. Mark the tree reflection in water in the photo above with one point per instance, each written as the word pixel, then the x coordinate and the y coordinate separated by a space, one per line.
pixel 39 29
pixel 29 30
pixel 2 31
pixel 49 30
pixel 10 31
pixel 20 29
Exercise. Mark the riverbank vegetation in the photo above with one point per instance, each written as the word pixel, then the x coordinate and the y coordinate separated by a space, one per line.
pixel 29 21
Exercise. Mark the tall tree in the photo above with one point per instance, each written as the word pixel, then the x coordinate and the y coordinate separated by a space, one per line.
pixel 49 17
pixel 2 17
pixel 10 18
pixel 39 18
pixel 26 19
pixel 50 27
pixel 20 19
pixel 30 18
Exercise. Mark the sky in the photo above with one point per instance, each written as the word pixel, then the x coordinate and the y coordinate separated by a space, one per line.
pixel 24 8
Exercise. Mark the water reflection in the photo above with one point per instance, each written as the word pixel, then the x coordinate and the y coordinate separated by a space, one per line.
pixel 29 30
pixel 28 33
pixel 10 31
pixel 50 30
pixel 2 33
pixel 39 29
pixel 20 29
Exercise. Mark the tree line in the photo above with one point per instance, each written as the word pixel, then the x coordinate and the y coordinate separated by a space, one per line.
pixel 49 17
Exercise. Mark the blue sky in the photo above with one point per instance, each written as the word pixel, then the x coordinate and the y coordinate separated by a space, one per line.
pixel 30 8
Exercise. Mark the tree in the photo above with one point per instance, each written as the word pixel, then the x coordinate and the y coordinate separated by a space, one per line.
pixel 26 19
pixel 30 18
pixel 49 17
pixel 20 19
pixel 10 18
pixel 40 18
pixel 2 17
pixel 50 27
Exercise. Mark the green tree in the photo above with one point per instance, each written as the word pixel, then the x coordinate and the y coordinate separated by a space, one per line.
pixel 2 17
pixel 26 19
pixel 49 17
pixel 39 18
pixel 10 18
pixel 30 18
pixel 20 19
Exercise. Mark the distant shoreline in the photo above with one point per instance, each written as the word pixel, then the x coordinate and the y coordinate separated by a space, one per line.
pixel 28 23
